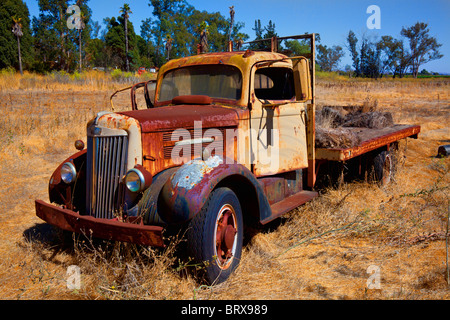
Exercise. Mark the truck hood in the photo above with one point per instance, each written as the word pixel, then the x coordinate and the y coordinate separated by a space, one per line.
pixel 183 116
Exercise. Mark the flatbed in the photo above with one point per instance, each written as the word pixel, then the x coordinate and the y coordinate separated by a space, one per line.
pixel 371 139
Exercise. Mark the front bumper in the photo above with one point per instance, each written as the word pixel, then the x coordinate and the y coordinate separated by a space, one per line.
pixel 100 228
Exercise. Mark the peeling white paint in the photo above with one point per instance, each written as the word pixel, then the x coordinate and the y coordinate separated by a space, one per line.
pixel 192 172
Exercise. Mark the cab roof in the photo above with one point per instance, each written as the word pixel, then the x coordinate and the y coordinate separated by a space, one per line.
pixel 241 59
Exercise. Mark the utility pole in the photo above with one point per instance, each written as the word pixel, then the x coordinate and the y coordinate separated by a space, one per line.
pixel 17 30
pixel 231 23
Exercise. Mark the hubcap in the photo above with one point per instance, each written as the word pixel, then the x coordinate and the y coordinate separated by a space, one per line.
pixel 225 236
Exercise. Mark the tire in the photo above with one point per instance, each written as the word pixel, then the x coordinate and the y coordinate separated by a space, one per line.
pixel 383 168
pixel 215 235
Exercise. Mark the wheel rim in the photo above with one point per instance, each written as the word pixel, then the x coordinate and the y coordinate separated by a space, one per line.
pixel 225 236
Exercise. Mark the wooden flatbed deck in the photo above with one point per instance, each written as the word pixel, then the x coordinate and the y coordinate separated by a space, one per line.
pixel 371 139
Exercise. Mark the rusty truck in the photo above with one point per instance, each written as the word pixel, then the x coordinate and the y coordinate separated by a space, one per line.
pixel 224 140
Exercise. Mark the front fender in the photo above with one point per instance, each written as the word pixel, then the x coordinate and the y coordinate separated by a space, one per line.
pixel 72 196
pixel 188 189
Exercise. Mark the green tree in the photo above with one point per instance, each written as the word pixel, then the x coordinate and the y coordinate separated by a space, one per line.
pixel 115 45
pixel 171 19
pixel 299 47
pixel 424 48
pixel 145 44
pixel 259 30
pixel 56 43
pixel 218 28
pixel 404 62
pixel 262 33
pixel 203 30
pixel 352 41
pixel 328 58
pixel 369 59
pixel 95 53
pixel 95 29
pixel 366 58
pixel 125 11
pixel 394 57
pixel 390 54
pixel 181 21
pixel 295 47
pixel 270 31
pixel 146 52
pixel 9 42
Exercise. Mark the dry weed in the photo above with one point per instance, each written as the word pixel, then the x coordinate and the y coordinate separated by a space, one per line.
pixel 318 251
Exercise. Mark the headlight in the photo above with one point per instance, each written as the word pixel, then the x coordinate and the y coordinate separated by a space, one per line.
pixel 138 179
pixel 68 172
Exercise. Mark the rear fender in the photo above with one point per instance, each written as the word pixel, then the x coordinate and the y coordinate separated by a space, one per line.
pixel 187 190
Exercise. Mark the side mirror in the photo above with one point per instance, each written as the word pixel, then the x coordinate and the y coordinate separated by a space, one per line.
pixel 302 79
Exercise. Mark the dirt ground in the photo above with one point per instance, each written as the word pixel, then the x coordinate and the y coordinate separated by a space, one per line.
pixel 358 241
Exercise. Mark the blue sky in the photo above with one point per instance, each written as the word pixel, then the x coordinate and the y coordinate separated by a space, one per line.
pixel 331 18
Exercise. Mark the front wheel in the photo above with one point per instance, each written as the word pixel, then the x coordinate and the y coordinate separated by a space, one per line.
pixel 215 234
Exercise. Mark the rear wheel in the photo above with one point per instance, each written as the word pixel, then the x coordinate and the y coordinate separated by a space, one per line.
pixel 215 235
pixel 383 168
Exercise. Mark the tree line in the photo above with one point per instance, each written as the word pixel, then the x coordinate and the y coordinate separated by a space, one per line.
pixel 393 56
pixel 63 37
pixel 371 58
pixel 47 43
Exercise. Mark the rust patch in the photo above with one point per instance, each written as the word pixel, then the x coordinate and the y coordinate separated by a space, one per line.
pixel 162 119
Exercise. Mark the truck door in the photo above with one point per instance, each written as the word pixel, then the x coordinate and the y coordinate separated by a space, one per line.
pixel 277 121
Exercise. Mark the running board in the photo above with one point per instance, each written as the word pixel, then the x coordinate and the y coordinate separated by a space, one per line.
pixel 289 203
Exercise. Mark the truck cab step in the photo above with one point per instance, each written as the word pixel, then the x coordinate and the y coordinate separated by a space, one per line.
pixel 290 203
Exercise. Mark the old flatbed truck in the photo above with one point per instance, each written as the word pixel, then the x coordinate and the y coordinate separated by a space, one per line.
pixel 225 139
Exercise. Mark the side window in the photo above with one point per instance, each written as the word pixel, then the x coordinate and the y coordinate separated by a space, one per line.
pixel 138 97
pixel 150 92
pixel 273 83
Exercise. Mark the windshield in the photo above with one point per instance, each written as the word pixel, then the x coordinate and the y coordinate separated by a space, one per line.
pixel 215 81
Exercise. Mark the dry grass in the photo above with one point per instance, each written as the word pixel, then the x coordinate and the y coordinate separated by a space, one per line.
pixel 319 251
pixel 85 81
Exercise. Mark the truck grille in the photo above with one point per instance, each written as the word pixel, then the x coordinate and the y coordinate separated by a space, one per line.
pixel 106 166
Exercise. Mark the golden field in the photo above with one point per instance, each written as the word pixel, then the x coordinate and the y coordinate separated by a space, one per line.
pixel 322 250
